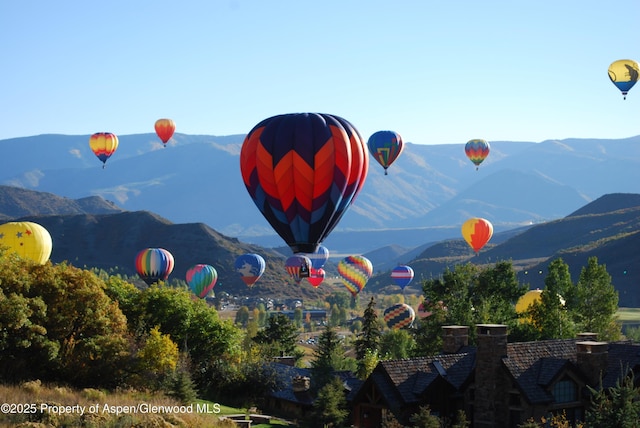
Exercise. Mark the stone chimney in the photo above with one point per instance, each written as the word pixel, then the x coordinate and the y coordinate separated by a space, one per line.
pixel 491 407
pixel 592 360
pixel 300 383
pixel 454 337
pixel 587 336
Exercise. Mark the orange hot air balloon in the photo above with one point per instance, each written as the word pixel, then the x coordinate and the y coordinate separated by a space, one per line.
pixel 477 232
pixel 103 145
pixel 165 129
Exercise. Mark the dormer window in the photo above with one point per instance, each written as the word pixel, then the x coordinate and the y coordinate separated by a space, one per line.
pixel 565 391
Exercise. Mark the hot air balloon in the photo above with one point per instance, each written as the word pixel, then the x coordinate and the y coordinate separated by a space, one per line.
pixel 154 264
pixel 316 277
pixel 624 74
pixel 355 271
pixel 303 171
pixel 477 151
pixel 385 147
pixel 201 279
pixel 298 266
pixel 27 239
pixel 165 129
pixel 528 299
pixel 399 316
pixel 402 275
pixel 319 257
pixel 477 232
pixel 250 267
pixel 103 145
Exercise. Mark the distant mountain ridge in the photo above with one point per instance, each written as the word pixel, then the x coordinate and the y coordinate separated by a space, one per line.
pixel 111 240
pixel 429 192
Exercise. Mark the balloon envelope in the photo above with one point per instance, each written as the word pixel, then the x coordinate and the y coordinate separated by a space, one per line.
pixel 154 264
pixel 298 266
pixel 319 257
pixel 303 171
pixel 477 151
pixel 385 147
pixel 402 275
pixel 477 232
pixel 399 316
pixel 165 129
pixel 103 145
pixel 624 74
pixel 250 267
pixel 355 271
pixel 201 279
pixel 316 277
pixel 27 239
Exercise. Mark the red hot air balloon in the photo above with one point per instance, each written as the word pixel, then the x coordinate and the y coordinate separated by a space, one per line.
pixel 385 147
pixel 165 129
pixel 316 277
pixel 103 145
pixel 477 151
pixel 154 264
pixel 303 171
pixel 477 232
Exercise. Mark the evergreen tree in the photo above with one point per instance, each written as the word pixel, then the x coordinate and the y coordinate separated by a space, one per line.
pixel 368 339
pixel 330 406
pixel 616 407
pixel 279 336
pixel 424 419
pixel 327 357
pixel 596 302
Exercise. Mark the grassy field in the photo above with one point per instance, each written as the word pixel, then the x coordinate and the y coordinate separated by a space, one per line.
pixel 629 314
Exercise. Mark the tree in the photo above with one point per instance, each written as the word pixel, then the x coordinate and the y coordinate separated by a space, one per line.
pixel 279 336
pixel 327 357
pixel 596 302
pixel 368 339
pixel 330 406
pixel 549 315
pixel 396 344
pixel 242 316
pixel 424 419
pixel 615 407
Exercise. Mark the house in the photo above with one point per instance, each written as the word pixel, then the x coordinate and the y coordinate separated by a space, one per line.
pixel 497 384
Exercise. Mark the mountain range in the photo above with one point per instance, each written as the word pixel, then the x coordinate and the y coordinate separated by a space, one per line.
pixel 96 233
pixel 429 192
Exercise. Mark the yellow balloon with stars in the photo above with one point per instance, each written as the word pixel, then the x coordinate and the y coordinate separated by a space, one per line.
pixel 27 239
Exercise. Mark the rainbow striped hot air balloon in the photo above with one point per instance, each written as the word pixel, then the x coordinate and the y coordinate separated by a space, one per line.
pixel 477 232
pixel 355 271
pixel 201 279
pixel 103 145
pixel 154 264
pixel 399 316
pixel 477 151
pixel 385 147
pixel 402 275
pixel 27 239
pixel 303 171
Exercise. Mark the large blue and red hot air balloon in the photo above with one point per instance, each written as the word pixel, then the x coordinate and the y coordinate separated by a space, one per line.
pixel 201 279
pixel 250 266
pixel 355 271
pixel 385 147
pixel 402 275
pixel 154 264
pixel 303 171
pixel 477 151
pixel 399 316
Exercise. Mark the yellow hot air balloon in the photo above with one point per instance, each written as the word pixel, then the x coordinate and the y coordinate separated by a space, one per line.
pixel 477 232
pixel 27 239
pixel 624 74
pixel 103 145
pixel 528 299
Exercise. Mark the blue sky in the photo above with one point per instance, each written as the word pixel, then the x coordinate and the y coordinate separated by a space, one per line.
pixel 435 72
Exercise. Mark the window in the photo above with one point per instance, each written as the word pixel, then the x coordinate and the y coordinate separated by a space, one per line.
pixel 565 391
